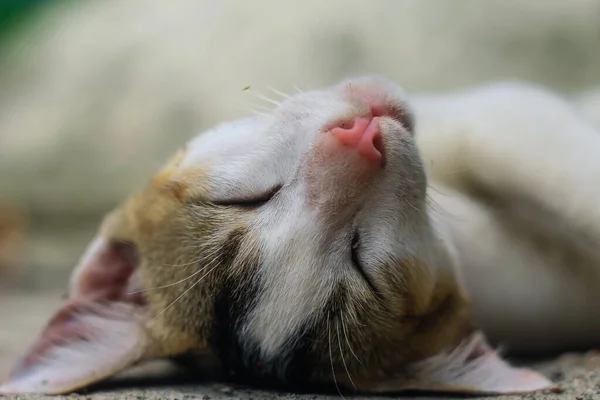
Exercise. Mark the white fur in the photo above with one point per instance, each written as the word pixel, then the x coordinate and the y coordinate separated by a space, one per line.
pixel 540 160
pixel 304 251
pixel 523 145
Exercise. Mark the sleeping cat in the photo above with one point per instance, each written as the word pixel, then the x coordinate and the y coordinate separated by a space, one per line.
pixel 352 237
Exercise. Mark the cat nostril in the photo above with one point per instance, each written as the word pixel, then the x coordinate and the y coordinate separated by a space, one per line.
pixel 378 144
pixel 362 134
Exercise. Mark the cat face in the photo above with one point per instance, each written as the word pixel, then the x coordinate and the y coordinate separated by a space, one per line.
pixel 295 246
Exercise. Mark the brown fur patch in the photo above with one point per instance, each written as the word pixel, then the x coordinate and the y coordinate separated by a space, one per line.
pixel 179 183
pixel 367 338
pixel 178 241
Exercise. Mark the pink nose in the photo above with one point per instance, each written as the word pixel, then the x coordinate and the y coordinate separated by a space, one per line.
pixel 364 135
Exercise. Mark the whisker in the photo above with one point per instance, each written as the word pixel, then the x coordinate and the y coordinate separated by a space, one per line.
pixel 184 293
pixel 255 112
pixel 337 329
pixel 214 252
pixel 298 89
pixel 260 107
pixel 331 358
pixel 412 205
pixel 162 264
pixel 187 264
pixel 441 211
pixel 347 341
pixel 267 99
pixel 280 93
pixel 170 284
pixel 248 109
pixel 209 264
pixel 437 190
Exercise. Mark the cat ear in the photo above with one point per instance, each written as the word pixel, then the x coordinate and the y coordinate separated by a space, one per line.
pixel 471 368
pixel 97 333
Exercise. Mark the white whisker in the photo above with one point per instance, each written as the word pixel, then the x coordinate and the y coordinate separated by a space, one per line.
pixel 250 109
pixel 213 253
pixel 337 330
pixel 261 107
pixel 331 358
pixel 170 284
pixel 267 99
pixel 347 341
pixel 184 293
pixel 277 92
pixel 162 264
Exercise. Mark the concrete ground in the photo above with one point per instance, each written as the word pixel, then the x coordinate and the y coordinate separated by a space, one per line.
pixel 22 316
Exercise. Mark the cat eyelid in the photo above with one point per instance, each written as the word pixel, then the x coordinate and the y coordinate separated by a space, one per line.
pixel 252 201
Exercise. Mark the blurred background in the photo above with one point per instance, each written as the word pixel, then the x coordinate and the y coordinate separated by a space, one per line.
pixel 95 95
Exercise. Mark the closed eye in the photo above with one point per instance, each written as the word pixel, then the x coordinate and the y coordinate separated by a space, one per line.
pixel 354 247
pixel 251 201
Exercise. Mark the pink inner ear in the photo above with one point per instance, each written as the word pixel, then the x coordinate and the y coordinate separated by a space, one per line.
pixel 102 277
pixel 64 326
pixel 83 343
pixel 105 273
pixel 99 321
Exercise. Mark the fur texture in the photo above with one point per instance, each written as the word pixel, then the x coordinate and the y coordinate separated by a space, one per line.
pixel 293 265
